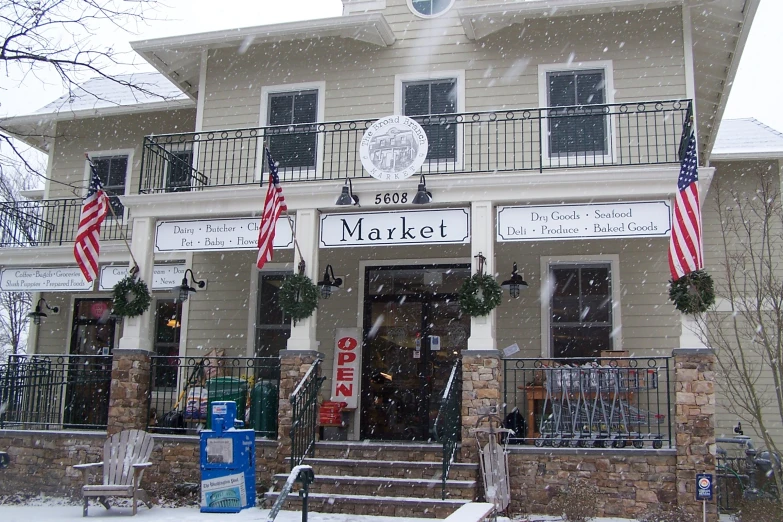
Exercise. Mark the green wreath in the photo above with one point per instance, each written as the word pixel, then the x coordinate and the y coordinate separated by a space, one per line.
pixel 298 297
pixel 469 300
pixel 693 293
pixel 131 297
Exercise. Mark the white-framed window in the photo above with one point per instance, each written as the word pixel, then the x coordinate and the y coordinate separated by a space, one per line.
pixel 581 314
pixel 293 112
pixel 429 8
pixel 434 100
pixel 179 171
pixel 580 131
pixel 113 169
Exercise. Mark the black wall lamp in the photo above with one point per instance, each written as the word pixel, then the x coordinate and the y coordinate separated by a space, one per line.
pixel 347 197
pixel 422 196
pixel 329 284
pixel 514 284
pixel 185 289
pixel 38 315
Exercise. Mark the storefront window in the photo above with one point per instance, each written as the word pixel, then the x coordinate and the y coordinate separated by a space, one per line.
pixel 272 327
pixel 168 317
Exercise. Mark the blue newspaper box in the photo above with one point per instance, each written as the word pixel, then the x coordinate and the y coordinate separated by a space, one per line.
pixel 228 462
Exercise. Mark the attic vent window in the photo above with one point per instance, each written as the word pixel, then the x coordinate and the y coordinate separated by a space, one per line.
pixel 429 8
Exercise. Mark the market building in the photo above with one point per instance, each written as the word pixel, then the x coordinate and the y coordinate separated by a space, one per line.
pixel 554 131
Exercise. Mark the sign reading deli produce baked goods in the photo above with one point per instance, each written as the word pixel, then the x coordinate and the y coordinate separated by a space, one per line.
pixel 393 148
pixel 598 220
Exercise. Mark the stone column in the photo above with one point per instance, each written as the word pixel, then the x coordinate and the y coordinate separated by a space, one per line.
pixel 129 392
pixel 293 367
pixel 482 389
pixel 694 390
pixel 303 332
pixel 482 329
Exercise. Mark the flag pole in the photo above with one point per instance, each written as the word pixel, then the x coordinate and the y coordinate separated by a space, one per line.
pixel 135 269
pixel 288 216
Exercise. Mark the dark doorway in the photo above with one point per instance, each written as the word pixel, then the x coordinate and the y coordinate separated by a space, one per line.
pixel 403 373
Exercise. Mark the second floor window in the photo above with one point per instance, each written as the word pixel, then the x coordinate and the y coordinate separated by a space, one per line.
pixel 437 99
pixel 113 171
pixel 581 129
pixel 293 146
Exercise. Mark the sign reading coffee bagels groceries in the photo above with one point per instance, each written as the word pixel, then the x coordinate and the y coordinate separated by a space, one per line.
pixel 393 148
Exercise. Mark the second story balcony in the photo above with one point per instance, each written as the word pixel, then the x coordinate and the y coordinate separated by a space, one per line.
pixel 538 139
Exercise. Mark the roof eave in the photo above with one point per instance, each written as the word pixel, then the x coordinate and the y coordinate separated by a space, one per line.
pixel 747 156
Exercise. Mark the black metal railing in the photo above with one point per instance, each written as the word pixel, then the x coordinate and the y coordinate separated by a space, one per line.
pixel 49 222
pixel 304 416
pixel 55 391
pixel 306 476
pixel 742 473
pixel 639 133
pixel 182 389
pixel 597 403
pixel 448 423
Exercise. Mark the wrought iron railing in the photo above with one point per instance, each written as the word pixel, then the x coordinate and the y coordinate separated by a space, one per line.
pixel 742 473
pixel 448 423
pixel 304 416
pixel 55 392
pixel 306 476
pixel 597 403
pixel 49 222
pixel 182 388
pixel 537 139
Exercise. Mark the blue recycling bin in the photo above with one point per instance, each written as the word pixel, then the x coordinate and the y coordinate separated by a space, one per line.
pixel 227 461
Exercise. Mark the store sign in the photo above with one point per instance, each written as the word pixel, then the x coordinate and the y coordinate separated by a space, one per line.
pixel 599 220
pixel 393 148
pixel 59 279
pixel 217 234
pixel 409 227
pixel 347 367
pixel 164 277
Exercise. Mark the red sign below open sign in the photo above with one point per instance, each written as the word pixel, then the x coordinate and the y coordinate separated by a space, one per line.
pixel 347 362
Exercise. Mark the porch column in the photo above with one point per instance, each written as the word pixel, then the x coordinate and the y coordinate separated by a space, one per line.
pixel 482 392
pixel 137 331
pixel 303 332
pixel 482 329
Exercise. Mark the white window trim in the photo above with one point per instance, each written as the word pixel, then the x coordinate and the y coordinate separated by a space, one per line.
pixel 613 260
pixel 415 12
pixel 459 75
pixel 106 154
pixel 543 101
pixel 252 308
pixel 320 117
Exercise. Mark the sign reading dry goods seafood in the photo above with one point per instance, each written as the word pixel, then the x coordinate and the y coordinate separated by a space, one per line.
pixel 393 148
pixel 407 227
pixel 164 277
pixel 217 234
pixel 599 220
pixel 50 279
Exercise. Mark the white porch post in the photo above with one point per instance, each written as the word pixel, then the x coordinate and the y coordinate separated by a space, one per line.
pixel 303 332
pixel 137 331
pixel 482 329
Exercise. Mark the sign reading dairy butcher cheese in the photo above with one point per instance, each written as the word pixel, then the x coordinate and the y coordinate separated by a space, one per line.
pixel 347 362
pixel 598 220
pixel 217 234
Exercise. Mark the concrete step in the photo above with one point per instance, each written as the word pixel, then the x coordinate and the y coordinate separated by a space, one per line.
pixel 392 469
pixel 387 487
pixel 372 505
pixel 389 451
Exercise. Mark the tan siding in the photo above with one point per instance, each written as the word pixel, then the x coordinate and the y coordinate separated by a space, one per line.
pixel 53 331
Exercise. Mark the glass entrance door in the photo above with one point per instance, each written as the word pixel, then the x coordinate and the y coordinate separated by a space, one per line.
pixel 404 373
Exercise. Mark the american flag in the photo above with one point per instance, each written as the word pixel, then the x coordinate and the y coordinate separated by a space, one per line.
pixel 94 209
pixel 685 248
pixel 274 204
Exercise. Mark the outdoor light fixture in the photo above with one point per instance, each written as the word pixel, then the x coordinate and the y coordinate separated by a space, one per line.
pixel 347 196
pixel 514 284
pixel 329 284
pixel 422 196
pixel 185 289
pixel 38 315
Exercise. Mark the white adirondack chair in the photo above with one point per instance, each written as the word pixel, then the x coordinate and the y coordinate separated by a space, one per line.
pixel 125 457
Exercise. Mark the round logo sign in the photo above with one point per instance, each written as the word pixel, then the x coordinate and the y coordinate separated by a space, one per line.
pixel 704 483
pixel 393 148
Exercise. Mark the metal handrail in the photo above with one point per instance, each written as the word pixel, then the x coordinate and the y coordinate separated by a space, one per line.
pixel 303 474
pixel 304 405
pixel 449 416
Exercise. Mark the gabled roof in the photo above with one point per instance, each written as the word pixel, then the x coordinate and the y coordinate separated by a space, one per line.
pixel 748 139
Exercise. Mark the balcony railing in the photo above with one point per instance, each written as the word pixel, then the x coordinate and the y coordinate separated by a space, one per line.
pixel 55 392
pixel 49 222
pixel 624 402
pixel 538 139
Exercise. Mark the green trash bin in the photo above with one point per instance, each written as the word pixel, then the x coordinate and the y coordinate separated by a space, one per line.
pixel 263 408
pixel 226 389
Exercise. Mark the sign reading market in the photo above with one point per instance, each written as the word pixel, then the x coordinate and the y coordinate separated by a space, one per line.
pixel 598 220
pixel 48 279
pixel 407 227
pixel 164 277
pixel 205 235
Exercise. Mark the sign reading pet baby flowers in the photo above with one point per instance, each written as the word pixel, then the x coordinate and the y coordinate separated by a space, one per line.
pixel 393 148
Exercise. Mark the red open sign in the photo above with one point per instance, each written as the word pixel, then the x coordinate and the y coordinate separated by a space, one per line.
pixel 345 376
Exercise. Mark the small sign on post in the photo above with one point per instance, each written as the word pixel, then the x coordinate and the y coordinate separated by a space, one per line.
pixel 704 488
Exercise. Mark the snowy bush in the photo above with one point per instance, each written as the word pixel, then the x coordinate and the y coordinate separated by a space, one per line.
pixel 577 501
pixel 667 513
